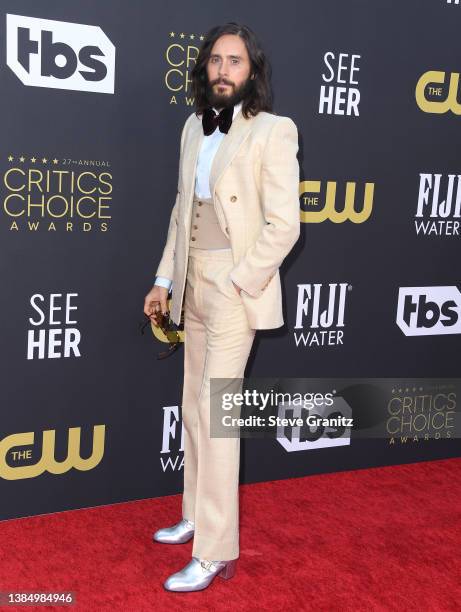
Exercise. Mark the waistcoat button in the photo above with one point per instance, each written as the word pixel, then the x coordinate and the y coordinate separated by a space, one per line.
pixel 233 198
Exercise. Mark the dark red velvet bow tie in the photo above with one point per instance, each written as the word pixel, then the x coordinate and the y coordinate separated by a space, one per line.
pixel 210 120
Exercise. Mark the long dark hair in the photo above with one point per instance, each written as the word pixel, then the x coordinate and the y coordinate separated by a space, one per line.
pixel 260 95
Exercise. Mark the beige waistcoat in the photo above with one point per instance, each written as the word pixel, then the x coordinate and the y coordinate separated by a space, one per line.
pixel 205 231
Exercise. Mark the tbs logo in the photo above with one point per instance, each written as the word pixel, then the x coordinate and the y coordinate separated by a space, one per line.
pixel 429 311
pixel 58 54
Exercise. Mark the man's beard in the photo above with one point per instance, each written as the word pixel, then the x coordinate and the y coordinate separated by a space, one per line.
pixel 226 100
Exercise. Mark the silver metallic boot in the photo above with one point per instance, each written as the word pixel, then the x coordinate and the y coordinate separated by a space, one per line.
pixel 177 534
pixel 198 574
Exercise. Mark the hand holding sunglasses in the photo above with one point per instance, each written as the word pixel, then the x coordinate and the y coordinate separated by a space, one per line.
pixel 169 328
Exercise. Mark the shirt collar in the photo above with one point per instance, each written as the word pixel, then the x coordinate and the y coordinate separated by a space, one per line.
pixel 237 107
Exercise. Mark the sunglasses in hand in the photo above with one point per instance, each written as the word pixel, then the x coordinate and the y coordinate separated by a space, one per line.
pixel 169 328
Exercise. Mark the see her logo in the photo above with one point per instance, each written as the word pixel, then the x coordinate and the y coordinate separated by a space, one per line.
pixel 54 334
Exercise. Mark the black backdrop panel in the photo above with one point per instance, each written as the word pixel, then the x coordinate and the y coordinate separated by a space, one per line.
pixel 94 97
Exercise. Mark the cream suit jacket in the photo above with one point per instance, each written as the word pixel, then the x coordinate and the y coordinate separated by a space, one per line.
pixel 254 183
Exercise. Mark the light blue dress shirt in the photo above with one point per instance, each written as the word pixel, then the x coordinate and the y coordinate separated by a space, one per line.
pixel 208 150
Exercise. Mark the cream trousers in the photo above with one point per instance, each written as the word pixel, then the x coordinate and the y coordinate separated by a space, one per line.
pixel 217 343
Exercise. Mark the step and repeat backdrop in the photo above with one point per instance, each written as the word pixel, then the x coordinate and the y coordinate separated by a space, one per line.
pixel 94 98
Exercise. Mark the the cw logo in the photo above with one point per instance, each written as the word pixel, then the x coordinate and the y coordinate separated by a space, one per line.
pixel 47 461
pixel 434 78
pixel 329 210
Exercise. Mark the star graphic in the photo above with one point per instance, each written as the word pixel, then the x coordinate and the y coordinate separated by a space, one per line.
pixel 55 161
pixel 181 35
pixel 22 158
pixel 10 158
pixel 44 160
pixel 33 159
pixel 171 34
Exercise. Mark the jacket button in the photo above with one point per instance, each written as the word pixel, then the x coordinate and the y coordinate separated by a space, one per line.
pixel 200 203
pixel 197 214
pixel 233 198
pixel 195 226
pixel 227 229
pixel 193 238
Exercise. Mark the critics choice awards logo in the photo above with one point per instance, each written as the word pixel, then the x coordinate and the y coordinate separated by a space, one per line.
pixel 52 195
pixel 46 191
pixel 417 413
pixel 181 55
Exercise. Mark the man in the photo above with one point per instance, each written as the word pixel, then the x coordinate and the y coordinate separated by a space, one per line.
pixel 235 219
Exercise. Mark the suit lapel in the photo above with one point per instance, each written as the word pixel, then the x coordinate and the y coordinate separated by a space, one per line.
pixel 228 147
pixel 193 145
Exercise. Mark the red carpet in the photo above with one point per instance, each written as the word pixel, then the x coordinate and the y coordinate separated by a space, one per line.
pixel 379 539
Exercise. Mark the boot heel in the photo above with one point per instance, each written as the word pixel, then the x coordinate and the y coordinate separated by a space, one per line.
pixel 228 571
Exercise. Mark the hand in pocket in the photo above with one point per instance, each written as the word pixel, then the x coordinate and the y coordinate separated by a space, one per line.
pixel 237 288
